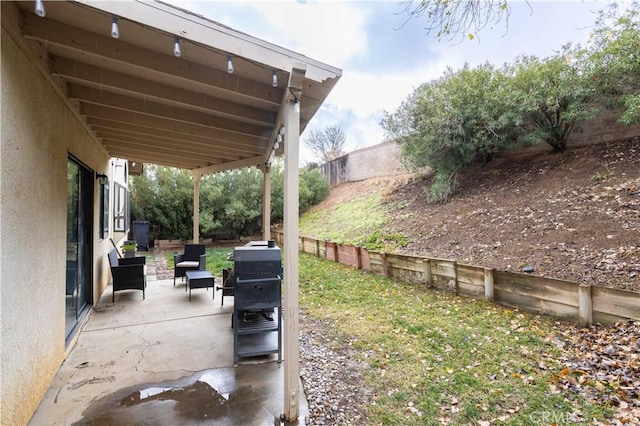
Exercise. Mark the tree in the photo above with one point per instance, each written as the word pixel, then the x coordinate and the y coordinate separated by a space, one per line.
pixel 452 18
pixel 550 96
pixel 230 202
pixel 328 143
pixel 452 122
pixel 614 51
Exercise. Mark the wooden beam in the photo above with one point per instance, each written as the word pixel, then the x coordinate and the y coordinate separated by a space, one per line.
pixel 247 162
pixel 150 156
pixel 163 65
pixel 148 107
pixel 180 145
pixel 232 138
pixel 115 142
pixel 179 163
pixel 169 136
pixel 103 79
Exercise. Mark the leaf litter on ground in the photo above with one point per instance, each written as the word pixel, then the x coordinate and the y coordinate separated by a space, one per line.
pixel 602 363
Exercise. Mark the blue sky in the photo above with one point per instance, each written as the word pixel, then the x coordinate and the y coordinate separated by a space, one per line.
pixel 382 60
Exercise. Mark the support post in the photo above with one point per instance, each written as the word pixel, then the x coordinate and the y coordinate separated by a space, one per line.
pixel 196 207
pixel 585 305
pixel 266 202
pixel 291 259
pixel 488 284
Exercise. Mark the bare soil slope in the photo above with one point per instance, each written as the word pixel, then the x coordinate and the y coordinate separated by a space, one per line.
pixel 572 215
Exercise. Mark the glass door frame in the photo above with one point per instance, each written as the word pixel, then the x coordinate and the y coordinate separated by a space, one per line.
pixel 79 246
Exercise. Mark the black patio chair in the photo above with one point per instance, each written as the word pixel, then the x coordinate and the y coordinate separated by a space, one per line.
pixel 127 273
pixel 193 259
pixel 227 284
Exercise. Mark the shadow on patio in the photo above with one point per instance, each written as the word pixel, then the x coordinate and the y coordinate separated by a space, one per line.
pixel 162 361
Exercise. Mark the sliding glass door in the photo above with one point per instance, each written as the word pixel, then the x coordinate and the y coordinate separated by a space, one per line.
pixel 79 243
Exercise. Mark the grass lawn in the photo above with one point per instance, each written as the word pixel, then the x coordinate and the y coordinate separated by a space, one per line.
pixel 216 260
pixel 436 358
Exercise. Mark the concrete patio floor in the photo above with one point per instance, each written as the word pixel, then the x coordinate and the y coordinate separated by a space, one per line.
pixel 163 361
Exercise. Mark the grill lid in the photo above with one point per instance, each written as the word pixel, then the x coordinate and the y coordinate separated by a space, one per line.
pixel 257 260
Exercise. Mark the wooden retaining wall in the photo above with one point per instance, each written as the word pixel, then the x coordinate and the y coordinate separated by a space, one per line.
pixel 567 300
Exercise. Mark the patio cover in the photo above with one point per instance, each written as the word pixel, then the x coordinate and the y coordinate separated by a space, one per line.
pixel 146 105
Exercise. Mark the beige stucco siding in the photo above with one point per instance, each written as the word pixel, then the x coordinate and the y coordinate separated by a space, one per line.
pixel 38 133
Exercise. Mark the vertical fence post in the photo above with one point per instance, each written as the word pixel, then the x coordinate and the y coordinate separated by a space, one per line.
pixel 488 284
pixel 358 257
pixel 317 248
pixel 428 278
pixel 585 304
pixel 385 264
pixel 455 273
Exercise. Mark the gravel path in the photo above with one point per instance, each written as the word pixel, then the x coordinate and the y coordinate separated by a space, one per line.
pixel 331 378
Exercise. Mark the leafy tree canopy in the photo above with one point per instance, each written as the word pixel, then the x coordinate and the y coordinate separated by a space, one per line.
pixel 614 52
pixel 468 115
pixel 230 202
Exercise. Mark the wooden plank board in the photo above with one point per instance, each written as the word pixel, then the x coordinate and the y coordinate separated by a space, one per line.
pixel 545 289
pixel 409 263
pixel 538 306
pixel 347 255
pixel 322 247
pixel 470 290
pixel 365 261
pixel 602 318
pixel 611 301
pixel 375 262
pixel 309 245
pixel 443 268
pixel 472 275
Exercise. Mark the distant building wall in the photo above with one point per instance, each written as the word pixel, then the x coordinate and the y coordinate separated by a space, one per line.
pixel 604 128
pixel 384 159
pixel 366 163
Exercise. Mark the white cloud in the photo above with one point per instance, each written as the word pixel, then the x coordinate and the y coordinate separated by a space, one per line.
pixel 346 34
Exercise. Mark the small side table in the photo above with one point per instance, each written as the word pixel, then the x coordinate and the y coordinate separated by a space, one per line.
pixel 199 279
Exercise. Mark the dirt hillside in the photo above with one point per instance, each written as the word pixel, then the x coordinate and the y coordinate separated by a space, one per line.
pixel 572 215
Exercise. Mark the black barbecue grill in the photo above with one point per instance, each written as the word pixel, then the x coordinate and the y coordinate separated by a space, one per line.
pixel 257 277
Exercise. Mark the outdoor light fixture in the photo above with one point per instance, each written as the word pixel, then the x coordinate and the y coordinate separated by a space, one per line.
pixel 115 33
pixel 274 80
pixel 230 69
pixel 40 9
pixel 176 47
pixel 102 178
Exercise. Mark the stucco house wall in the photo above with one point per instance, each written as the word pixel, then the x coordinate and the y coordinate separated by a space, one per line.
pixel 39 132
